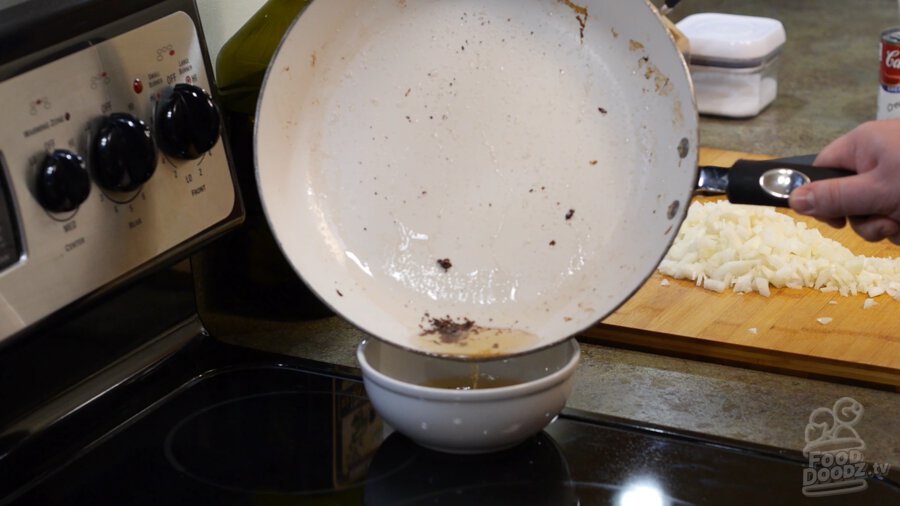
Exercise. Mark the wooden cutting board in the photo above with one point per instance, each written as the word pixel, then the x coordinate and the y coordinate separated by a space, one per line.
pixel 858 346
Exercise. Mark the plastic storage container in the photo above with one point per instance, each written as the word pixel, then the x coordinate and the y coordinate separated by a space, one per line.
pixel 733 62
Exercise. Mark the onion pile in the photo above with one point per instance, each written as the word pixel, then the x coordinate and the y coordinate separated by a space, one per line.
pixel 749 248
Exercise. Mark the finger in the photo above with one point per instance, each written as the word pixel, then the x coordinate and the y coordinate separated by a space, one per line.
pixel 858 195
pixel 834 222
pixel 857 150
pixel 839 222
pixel 876 228
pixel 840 153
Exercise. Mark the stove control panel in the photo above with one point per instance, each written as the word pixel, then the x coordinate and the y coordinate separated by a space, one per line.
pixel 109 157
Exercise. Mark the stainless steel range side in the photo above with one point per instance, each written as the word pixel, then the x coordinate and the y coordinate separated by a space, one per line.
pixel 110 151
pixel 113 170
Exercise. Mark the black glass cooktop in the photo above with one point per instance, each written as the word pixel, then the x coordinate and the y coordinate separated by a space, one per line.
pixel 264 429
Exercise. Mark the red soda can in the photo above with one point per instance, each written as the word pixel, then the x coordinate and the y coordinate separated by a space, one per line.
pixel 890 60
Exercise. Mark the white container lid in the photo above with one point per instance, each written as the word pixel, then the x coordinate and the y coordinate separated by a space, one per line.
pixel 732 38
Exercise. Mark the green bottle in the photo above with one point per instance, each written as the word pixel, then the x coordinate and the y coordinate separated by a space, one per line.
pixel 243 60
pixel 245 272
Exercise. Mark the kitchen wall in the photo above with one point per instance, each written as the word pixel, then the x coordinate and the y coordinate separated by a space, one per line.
pixel 221 18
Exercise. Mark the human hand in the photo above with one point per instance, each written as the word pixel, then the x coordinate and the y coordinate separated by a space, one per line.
pixel 871 198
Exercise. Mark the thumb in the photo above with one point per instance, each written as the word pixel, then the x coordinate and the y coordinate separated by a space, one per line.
pixel 835 198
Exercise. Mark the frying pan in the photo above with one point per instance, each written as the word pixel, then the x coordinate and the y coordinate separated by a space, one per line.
pixel 476 178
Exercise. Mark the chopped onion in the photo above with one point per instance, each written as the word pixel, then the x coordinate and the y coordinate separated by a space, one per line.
pixel 824 320
pixel 751 248
pixel 869 303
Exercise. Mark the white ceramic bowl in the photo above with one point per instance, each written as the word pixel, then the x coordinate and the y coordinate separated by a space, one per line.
pixel 476 420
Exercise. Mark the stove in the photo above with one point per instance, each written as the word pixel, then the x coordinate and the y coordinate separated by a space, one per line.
pixel 114 392
pixel 192 420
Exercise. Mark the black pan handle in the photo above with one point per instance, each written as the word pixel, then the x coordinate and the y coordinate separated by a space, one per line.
pixel 770 182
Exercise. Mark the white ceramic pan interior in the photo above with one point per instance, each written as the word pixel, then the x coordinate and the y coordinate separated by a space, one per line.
pixel 476 178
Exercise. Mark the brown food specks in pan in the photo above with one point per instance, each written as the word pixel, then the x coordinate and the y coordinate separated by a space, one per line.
pixel 408 91
pixel 582 22
pixel 570 214
pixel 312 59
pixel 577 8
pixel 339 293
pixel 602 110
pixel 594 162
pixel 635 45
pixel 445 264
pixel 581 14
pixel 448 330
pixel 552 243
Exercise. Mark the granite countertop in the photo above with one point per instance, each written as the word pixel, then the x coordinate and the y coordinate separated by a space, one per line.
pixel 827 74
pixel 828 83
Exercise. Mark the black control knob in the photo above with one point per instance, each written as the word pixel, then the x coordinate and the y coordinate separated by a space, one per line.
pixel 124 154
pixel 187 122
pixel 62 182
